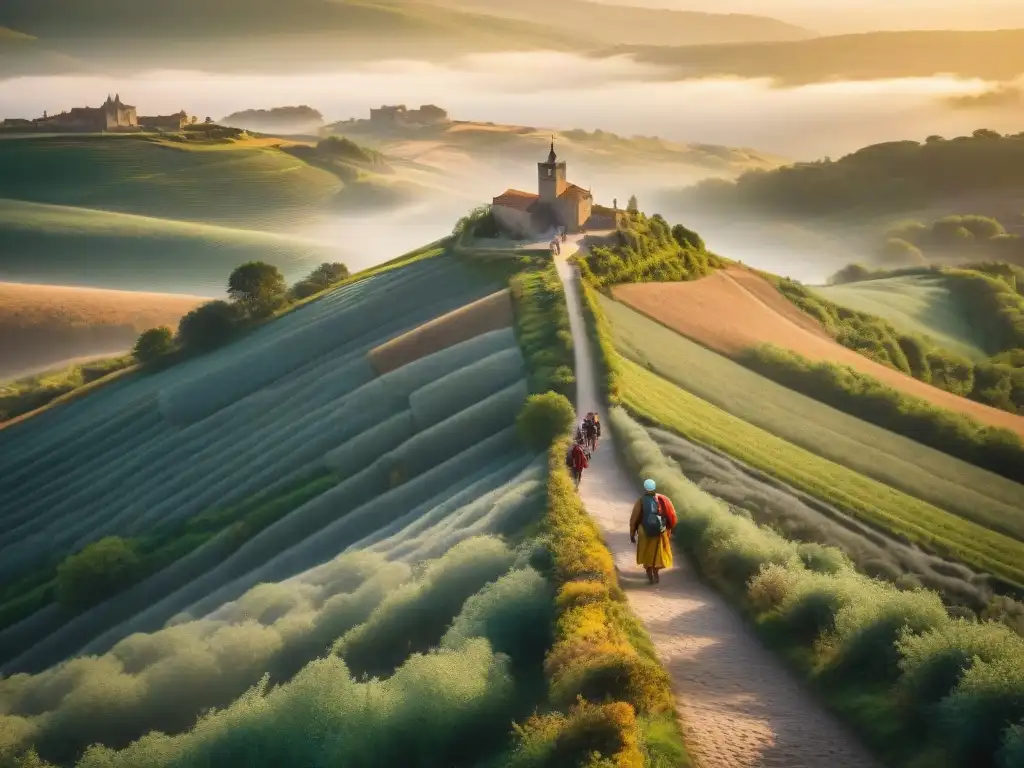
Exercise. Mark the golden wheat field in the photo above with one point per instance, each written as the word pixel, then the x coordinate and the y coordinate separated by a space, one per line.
pixel 43 325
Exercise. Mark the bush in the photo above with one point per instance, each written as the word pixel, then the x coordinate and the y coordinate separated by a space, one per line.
pixel 152 345
pixel 208 327
pixel 544 418
pixel 102 569
pixel 647 250
pixel 590 736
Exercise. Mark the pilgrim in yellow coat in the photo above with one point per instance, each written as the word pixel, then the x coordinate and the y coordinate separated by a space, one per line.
pixel 653 552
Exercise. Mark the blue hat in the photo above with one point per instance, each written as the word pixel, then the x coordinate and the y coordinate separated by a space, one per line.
pixel 649 485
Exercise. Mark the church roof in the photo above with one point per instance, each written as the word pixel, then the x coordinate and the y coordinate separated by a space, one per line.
pixel 574 191
pixel 514 198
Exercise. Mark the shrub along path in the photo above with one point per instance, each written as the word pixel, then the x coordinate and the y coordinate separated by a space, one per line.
pixel 740 707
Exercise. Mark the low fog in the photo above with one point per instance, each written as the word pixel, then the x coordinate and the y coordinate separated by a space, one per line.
pixel 563 92
pixel 558 90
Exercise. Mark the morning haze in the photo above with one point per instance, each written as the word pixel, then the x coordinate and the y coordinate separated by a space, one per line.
pixel 474 384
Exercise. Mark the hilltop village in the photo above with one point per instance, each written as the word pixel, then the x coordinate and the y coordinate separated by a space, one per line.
pixel 113 116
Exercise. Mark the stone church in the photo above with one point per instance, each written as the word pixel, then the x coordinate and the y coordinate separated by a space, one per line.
pixel 557 203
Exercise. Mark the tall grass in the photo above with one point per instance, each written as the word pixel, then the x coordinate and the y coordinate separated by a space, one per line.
pixel 857 637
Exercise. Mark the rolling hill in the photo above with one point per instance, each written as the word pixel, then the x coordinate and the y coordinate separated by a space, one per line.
pixel 41 326
pixel 917 304
pixel 142 212
pixel 987 55
pixel 614 24
pixel 237 34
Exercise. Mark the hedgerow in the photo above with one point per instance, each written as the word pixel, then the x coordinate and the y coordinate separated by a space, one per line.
pixel 936 684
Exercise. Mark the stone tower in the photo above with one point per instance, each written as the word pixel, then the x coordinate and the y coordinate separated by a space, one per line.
pixel 551 177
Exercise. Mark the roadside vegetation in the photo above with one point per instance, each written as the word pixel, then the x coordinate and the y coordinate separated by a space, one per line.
pixel 922 685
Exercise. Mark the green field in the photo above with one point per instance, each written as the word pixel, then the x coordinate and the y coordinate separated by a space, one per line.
pixel 133 212
pixel 234 185
pixel 662 402
pixel 896 461
pixel 915 304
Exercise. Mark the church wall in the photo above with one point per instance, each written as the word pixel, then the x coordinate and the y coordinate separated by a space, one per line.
pixel 517 223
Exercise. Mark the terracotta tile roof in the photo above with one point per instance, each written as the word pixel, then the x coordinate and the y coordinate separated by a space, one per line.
pixel 513 198
pixel 574 191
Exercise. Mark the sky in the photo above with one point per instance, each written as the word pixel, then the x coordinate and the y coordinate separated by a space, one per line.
pixel 837 16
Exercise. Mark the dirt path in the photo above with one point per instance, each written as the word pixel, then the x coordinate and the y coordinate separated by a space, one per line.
pixel 740 707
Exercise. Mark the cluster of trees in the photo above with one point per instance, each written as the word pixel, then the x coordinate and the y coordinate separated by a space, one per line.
pixel 340 148
pixel 256 290
pixel 883 177
pixel 865 397
pixel 914 243
pixel 993 382
pixel 648 249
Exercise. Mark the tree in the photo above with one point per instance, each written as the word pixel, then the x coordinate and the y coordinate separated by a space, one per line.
pixel 208 326
pixel 258 287
pixel 632 206
pixel 328 273
pixel 208 120
pixel 545 417
pixel 687 238
pixel 102 569
pixel 153 344
pixel 897 252
pixel 851 273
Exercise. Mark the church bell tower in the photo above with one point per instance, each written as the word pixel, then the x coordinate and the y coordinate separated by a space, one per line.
pixel 551 177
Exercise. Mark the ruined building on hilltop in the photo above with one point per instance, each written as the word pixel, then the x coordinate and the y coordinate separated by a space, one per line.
pixel 112 116
pixel 557 203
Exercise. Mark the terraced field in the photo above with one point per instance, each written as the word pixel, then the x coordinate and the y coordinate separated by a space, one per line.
pixel 881 506
pixel 904 464
pixel 267 459
pixel 919 304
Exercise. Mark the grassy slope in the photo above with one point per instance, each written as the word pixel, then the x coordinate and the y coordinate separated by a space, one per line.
pixel 191 212
pixel 997 55
pixel 906 465
pixel 46 324
pixel 918 304
pixel 662 402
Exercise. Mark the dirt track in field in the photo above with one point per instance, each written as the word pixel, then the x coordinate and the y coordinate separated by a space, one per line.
pixel 733 310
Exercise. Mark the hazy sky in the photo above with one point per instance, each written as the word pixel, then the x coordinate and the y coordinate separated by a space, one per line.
pixel 859 15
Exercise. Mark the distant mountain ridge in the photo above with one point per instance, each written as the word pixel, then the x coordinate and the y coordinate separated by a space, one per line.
pixel 630 25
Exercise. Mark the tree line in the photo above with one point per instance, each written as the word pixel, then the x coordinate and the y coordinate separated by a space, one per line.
pixel 256 291
pixel 995 382
pixel 879 178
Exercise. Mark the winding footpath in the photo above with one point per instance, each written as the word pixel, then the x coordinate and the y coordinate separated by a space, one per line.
pixel 739 706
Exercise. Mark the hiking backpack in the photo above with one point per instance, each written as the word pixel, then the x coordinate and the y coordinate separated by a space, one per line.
pixel 651 518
